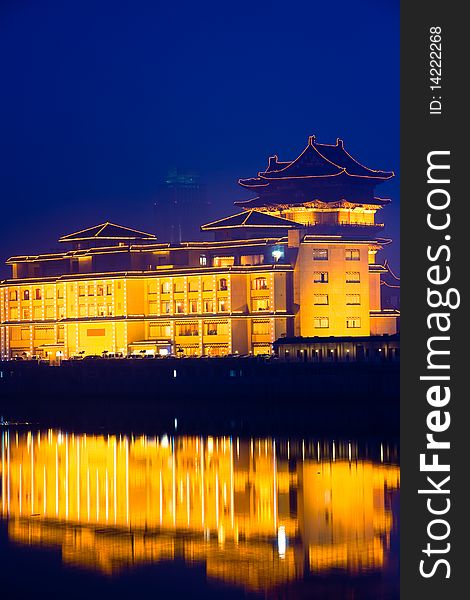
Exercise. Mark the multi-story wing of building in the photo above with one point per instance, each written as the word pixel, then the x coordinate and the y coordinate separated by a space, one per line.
pixel 298 259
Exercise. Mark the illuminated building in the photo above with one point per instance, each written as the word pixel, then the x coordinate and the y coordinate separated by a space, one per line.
pixel 256 513
pixel 297 260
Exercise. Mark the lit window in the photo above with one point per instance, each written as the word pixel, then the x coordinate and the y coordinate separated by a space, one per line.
pixel 25 294
pixel 353 277
pixel 207 285
pixel 37 294
pixel 60 293
pixel 353 299
pixel 50 293
pixel 260 304
pixel 203 260
pixel 187 329
pixel 91 289
pixel 82 310
pixel 252 259
pixel 100 290
pixel 37 312
pixel 321 322
pixel 320 298
pixel 223 261
pixel 102 310
pixel 159 330
pixel 110 310
pixel 320 254
pixel 352 254
pixel 193 285
pixel 81 290
pixel 222 285
pixel 179 286
pixel 25 314
pixel 208 306
pixel 13 314
pixel 353 322
pixel 223 305
pixel 179 307
pixel 320 277
pixel 166 287
pixel 193 306
pixel 13 295
pixel 260 283
pixel 261 328
pixel 153 307
pixel 109 289
pixel 210 328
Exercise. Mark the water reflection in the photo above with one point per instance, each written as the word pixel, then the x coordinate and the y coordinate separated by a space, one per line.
pixel 257 513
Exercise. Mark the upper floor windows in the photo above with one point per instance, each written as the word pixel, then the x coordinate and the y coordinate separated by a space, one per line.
pixel 13 295
pixel 260 283
pixel 321 322
pixel 353 322
pixel 320 277
pixel 223 261
pixel 353 277
pixel 352 254
pixel 252 259
pixel 320 298
pixel 203 260
pixel 261 304
pixel 320 254
pixel 222 285
pixel 353 299
pixel 25 294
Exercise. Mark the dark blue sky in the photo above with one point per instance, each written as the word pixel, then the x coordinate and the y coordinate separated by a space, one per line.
pixel 99 98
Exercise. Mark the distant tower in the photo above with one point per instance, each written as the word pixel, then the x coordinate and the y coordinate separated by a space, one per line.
pixel 181 206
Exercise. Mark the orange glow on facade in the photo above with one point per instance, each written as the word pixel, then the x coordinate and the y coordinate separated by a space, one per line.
pixel 117 291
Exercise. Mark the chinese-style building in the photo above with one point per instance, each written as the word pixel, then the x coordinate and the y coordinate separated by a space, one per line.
pixel 297 259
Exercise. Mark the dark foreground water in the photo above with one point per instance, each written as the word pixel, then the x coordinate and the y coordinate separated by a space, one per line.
pixel 119 516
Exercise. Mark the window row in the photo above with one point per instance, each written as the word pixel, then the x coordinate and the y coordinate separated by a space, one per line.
pixel 178 286
pixel 351 299
pixel 322 277
pixel 324 322
pixel 229 261
pixel 83 290
pixel 260 283
pixel 349 254
pixel 178 307
pixel 39 333
pixel 163 330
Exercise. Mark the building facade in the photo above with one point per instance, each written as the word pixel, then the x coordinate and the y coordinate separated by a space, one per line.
pixel 299 259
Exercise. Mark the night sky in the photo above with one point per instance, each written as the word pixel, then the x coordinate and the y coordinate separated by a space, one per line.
pixel 100 98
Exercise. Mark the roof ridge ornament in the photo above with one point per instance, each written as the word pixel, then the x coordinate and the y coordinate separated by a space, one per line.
pixel 311 140
pixel 339 142
pixel 272 160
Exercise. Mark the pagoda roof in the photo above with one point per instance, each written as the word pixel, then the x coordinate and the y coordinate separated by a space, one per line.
pixel 107 231
pixel 262 202
pixel 314 162
pixel 338 155
pixel 250 218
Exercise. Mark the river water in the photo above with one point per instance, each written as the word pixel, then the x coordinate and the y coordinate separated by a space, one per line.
pixel 113 515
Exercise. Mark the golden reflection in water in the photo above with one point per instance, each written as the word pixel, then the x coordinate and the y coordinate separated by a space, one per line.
pixel 257 512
